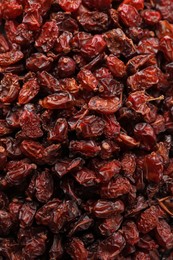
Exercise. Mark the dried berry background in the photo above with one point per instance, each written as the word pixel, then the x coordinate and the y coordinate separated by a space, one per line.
pixel 86 129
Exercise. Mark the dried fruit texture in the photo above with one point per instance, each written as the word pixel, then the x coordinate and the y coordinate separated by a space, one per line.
pixel 29 90
pixel 55 214
pixel 110 225
pixel 88 80
pixel 12 9
pixel 17 172
pixel 76 249
pixel 109 170
pixel 151 17
pixel 148 220
pixel 144 79
pixel 9 88
pixel 10 58
pixel 115 188
pixel 154 167
pixel 66 67
pixel 94 21
pixel 86 125
pixel 118 43
pixel 138 4
pixel 56 250
pixel 44 186
pixel 30 124
pixel 110 247
pixel 148 45
pixel 164 234
pixel 59 132
pixel 86 177
pixel 49 34
pixel 131 233
pixel 93 46
pixel 165 8
pixel 38 62
pixel 26 214
pixel 129 15
pixel 4 46
pixel 166 44
pixel 128 163
pixel 145 134
pixel 90 127
pixel 112 127
pixel 139 61
pixel 85 148
pixel 104 105
pixel 138 101
pixel 59 100
pixel 116 66
pixel 98 5
pixel 105 209
pixel 69 6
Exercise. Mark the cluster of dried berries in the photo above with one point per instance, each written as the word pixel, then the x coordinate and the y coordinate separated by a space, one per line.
pixel 86 127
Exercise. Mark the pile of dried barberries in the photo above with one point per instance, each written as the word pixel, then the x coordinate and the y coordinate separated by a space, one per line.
pixel 86 128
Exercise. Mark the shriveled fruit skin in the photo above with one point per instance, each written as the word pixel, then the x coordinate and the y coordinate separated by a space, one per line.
pixel 86 129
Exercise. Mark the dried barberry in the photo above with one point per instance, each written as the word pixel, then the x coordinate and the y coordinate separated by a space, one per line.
pixel 86 123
